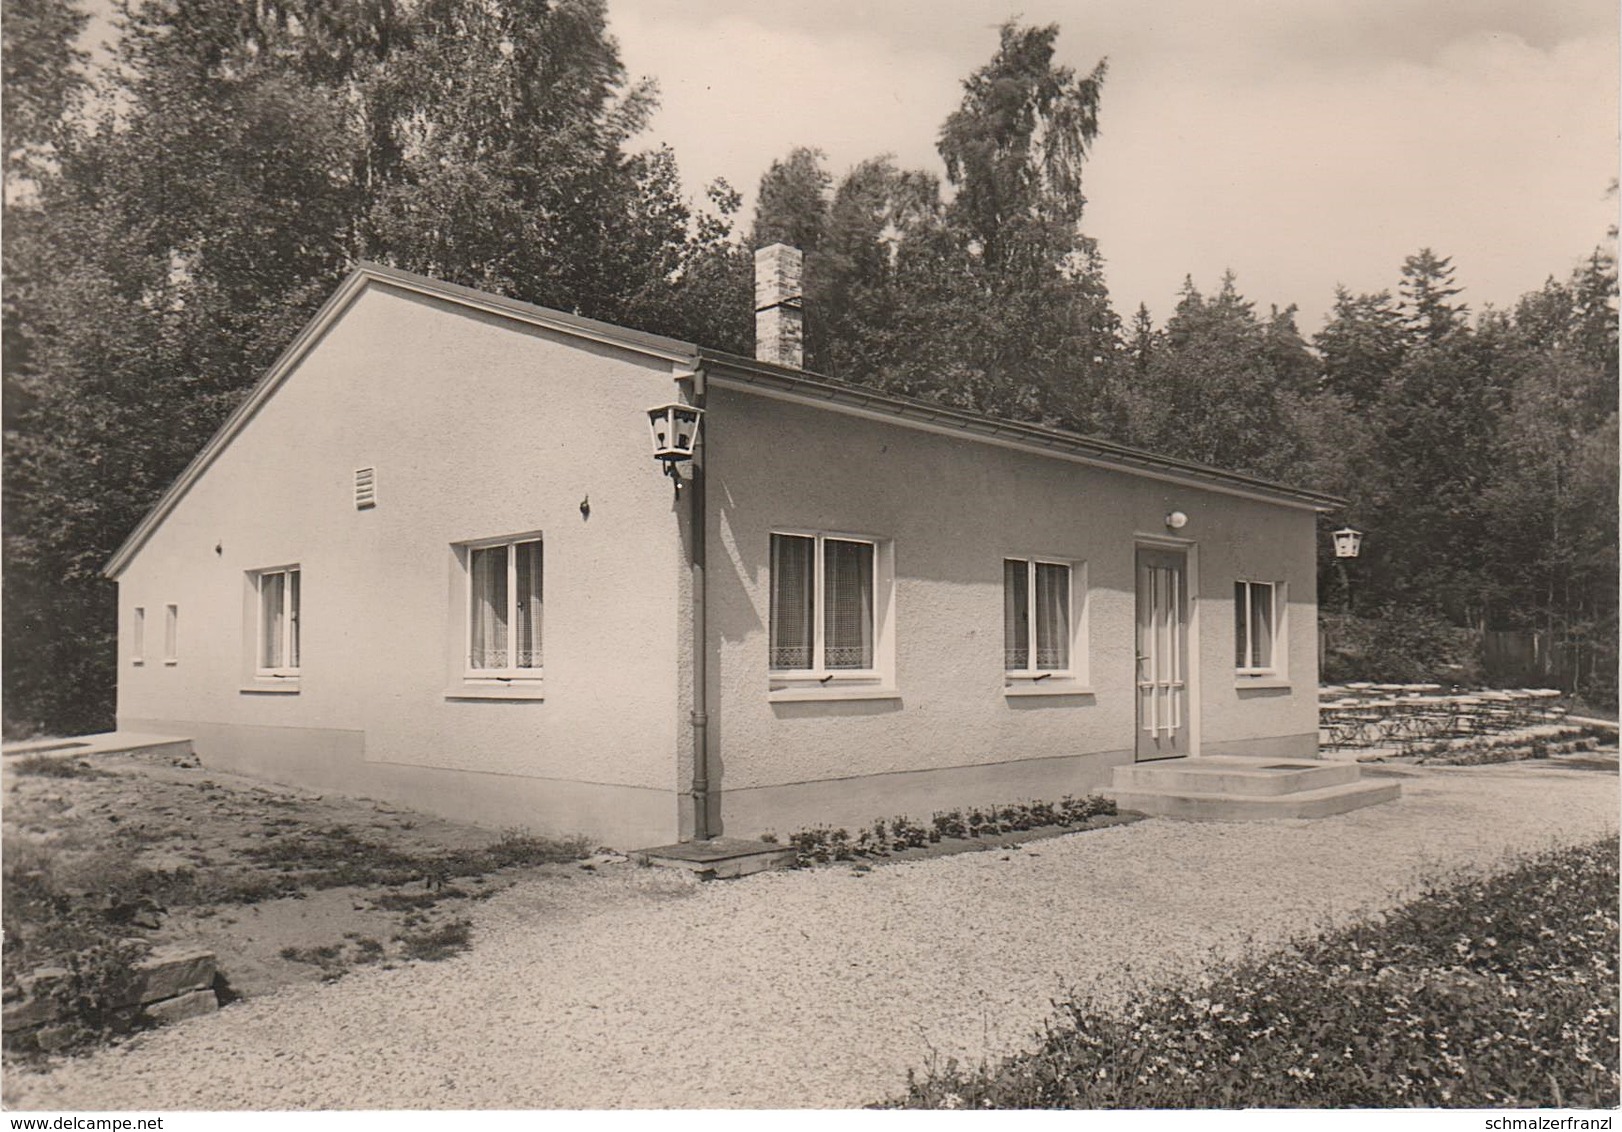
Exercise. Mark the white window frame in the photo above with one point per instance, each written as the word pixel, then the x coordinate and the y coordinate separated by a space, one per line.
pixel 291 614
pixel 1073 679
pixel 171 633
pixel 819 682
pixel 511 674
pixel 138 635
pixel 1275 590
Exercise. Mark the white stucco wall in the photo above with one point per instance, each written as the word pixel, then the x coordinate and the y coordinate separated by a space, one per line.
pixel 954 509
pixel 478 428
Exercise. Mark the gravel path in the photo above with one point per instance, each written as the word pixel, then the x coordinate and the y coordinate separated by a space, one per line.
pixel 820 988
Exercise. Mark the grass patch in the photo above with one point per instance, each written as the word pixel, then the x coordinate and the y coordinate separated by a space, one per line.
pixel 46 766
pixel 1488 992
pixel 337 856
pixel 329 957
pixel 415 901
pixel 436 943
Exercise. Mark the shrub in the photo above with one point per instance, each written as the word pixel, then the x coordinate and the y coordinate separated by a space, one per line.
pixel 1489 992
pixel 1398 644
pixel 95 998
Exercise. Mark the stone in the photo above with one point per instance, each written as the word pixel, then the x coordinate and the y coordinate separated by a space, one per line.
pixel 55 1037
pixel 27 1013
pixel 192 1004
pixel 171 972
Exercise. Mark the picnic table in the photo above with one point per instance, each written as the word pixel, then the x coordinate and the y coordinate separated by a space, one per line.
pixel 1365 714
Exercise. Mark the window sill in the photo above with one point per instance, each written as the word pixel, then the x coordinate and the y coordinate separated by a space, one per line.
pixel 138 662
pixel 830 692
pixel 1243 682
pixel 270 688
pixel 1050 687
pixel 497 690
pixel 170 663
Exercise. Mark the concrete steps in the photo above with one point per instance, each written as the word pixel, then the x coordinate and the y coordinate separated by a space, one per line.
pixel 1238 789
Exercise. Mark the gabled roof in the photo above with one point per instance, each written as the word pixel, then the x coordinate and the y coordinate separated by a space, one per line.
pixel 363 276
pixel 727 370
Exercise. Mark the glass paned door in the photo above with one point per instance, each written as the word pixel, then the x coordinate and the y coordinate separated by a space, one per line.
pixel 1162 654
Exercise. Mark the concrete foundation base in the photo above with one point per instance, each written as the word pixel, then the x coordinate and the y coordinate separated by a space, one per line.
pixel 721 858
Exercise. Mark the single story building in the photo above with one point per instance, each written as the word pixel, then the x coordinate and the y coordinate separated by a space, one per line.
pixel 432 559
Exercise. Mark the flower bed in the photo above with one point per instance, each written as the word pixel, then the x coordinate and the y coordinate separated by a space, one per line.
pixel 1514 748
pixel 821 844
pixel 1488 992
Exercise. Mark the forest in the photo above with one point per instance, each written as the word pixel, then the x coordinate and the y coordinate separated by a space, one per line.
pixel 174 213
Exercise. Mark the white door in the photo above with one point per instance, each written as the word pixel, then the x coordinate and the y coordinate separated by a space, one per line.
pixel 1162 658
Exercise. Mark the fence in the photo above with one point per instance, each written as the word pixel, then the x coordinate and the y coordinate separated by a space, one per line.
pixel 1528 654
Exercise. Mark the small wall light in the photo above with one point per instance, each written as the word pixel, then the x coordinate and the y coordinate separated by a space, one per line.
pixel 1348 542
pixel 1176 520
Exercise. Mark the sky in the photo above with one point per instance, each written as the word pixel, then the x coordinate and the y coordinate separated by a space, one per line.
pixel 1300 143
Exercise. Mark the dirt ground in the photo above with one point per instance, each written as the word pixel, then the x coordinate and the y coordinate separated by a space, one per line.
pixel 284 885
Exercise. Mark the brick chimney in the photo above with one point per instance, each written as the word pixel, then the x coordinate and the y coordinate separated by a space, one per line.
pixel 779 314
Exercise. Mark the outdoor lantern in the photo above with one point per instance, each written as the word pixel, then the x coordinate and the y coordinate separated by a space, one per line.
pixel 1176 520
pixel 675 432
pixel 1348 542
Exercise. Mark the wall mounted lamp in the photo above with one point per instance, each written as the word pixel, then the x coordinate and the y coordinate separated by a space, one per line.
pixel 675 433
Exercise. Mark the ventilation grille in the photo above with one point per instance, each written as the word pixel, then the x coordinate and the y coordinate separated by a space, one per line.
pixel 365 488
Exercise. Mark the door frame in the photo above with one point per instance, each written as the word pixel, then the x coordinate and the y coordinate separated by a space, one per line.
pixel 1191 557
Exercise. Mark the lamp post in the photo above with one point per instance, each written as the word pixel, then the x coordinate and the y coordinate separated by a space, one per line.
pixel 1348 544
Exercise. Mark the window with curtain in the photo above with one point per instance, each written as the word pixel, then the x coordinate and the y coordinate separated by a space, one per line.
pixel 278 652
pixel 504 617
pixel 823 604
pixel 1254 626
pixel 1037 628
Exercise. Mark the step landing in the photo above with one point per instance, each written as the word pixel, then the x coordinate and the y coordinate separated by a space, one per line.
pixel 720 858
pixel 104 743
pixel 1231 788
